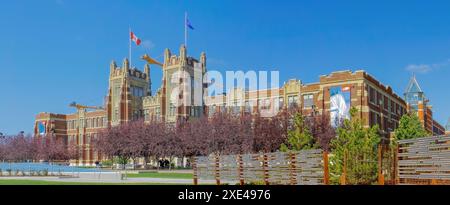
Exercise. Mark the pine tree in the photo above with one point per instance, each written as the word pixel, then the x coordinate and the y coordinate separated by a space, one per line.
pixel 300 137
pixel 359 145
pixel 410 127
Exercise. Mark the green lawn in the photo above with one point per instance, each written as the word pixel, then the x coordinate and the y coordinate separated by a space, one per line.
pixel 42 182
pixel 162 175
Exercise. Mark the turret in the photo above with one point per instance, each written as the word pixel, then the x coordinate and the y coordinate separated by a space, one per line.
pixel 203 61
pixel 147 71
pixel 112 67
pixel 167 55
pixel 183 56
pixel 126 66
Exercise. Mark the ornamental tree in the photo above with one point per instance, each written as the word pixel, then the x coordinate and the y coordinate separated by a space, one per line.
pixel 322 131
pixel 300 137
pixel 356 147
pixel 410 127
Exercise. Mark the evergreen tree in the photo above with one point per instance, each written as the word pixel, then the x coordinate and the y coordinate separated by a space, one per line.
pixel 359 145
pixel 410 127
pixel 300 137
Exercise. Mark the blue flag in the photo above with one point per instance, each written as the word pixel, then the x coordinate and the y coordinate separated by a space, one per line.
pixel 188 24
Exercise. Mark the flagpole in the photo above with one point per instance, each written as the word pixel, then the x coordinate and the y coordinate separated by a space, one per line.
pixel 129 52
pixel 185 29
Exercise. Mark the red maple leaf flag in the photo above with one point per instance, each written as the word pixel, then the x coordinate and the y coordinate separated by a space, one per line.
pixel 135 38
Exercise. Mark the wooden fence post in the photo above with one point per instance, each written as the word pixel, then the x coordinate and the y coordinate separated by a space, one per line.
pixel 396 175
pixel 380 165
pixel 292 170
pixel 265 169
pixel 326 172
pixel 217 169
pixel 434 182
pixel 241 170
pixel 194 166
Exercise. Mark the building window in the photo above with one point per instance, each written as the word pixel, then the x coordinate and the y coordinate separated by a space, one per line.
pixel 280 103
pixel 386 103
pixel 146 115
pixel 236 108
pixel 392 106
pixel 192 111
pixel 137 91
pixel 248 107
pixel 308 101
pixel 379 98
pixel 223 109
pixel 158 113
pixel 172 109
pixel 88 139
pixel 292 101
pixel 373 96
pixel 266 103
pixel 212 110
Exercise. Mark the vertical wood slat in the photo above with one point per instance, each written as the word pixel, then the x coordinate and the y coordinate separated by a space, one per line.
pixel 326 172
pixel 396 179
pixel 240 170
pixel 300 167
pixel 265 168
pixel 292 170
pixel 217 169
pixel 195 175
pixel 380 165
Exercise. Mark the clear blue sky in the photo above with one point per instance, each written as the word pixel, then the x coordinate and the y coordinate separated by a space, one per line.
pixel 53 52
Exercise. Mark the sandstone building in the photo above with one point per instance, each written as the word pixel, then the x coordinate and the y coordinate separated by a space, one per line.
pixel 129 98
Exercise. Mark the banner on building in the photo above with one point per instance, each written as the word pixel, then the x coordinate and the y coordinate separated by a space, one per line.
pixel 339 104
pixel 41 128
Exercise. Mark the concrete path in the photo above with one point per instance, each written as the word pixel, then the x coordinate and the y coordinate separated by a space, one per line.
pixel 110 177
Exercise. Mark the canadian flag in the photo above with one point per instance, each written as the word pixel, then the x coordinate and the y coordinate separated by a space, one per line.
pixel 135 38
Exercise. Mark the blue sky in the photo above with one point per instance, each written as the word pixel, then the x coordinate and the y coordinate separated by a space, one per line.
pixel 53 52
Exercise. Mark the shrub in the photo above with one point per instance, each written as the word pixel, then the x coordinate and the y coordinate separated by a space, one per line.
pixel 45 172
pixel 107 163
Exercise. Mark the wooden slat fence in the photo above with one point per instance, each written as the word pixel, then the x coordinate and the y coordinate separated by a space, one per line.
pixel 303 167
pixel 424 160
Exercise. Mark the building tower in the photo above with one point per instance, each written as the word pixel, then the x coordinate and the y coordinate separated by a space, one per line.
pixel 418 103
pixel 414 95
pixel 127 87
pixel 182 88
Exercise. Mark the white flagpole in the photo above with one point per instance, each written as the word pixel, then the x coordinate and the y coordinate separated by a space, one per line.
pixel 185 29
pixel 129 53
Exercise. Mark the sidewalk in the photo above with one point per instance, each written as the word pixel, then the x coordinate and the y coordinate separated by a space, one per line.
pixel 112 177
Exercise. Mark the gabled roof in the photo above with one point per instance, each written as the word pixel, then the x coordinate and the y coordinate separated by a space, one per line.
pixel 413 86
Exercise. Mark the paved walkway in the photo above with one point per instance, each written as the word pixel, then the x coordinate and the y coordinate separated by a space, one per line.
pixel 111 177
